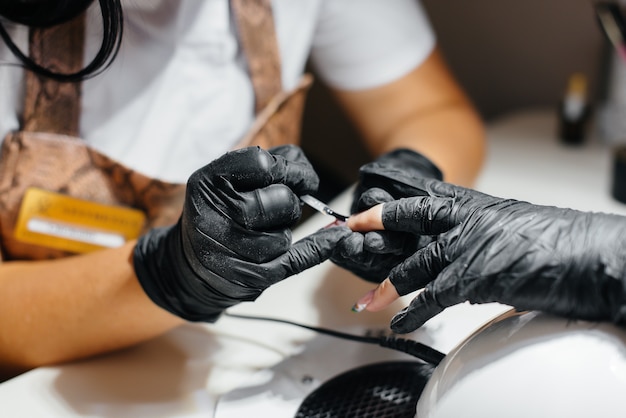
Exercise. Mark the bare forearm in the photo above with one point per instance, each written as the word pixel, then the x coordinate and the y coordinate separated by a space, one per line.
pixel 61 310
pixel 452 137
pixel 425 111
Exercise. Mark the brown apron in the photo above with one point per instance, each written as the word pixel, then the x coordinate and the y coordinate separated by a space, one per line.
pixel 48 154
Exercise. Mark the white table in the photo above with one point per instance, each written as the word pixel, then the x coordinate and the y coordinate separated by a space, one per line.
pixel 186 372
pixel 526 161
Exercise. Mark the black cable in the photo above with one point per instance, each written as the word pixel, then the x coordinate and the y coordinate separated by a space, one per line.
pixel 413 348
pixel 112 28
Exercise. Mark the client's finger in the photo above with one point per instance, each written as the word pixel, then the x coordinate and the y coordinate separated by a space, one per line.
pixel 377 299
pixel 370 220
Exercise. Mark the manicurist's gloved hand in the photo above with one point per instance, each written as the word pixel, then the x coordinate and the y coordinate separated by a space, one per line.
pixel 233 239
pixel 392 176
pixel 488 249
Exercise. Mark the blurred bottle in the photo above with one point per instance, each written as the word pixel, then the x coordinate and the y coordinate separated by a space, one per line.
pixel 611 118
pixel 612 111
pixel 574 111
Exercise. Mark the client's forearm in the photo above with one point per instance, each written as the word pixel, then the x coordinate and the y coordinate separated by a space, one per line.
pixel 60 310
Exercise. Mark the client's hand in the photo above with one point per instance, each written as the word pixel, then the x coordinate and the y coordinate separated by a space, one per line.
pixel 391 176
pixel 233 239
pixel 488 249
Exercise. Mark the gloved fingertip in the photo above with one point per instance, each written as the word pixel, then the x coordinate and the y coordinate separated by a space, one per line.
pixel 373 197
pixel 403 323
pixel 325 240
pixel 421 309
pixel 350 245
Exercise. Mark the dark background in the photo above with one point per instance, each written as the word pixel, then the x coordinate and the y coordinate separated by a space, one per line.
pixel 507 55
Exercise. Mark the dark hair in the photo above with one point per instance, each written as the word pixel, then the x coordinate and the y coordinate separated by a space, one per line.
pixel 45 13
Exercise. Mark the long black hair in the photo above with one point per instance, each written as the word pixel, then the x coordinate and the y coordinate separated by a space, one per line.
pixel 45 13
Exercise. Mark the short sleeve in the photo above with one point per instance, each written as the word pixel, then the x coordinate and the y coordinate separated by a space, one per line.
pixel 360 44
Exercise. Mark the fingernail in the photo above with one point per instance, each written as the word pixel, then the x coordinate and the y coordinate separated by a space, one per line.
pixel 335 223
pixel 362 303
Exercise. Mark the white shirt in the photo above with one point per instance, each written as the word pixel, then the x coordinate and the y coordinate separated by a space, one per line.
pixel 178 94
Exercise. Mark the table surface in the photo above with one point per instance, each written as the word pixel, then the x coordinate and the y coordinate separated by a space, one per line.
pixel 236 367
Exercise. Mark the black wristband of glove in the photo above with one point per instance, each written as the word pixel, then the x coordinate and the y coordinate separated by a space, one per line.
pixel 395 173
pixel 159 277
pixel 412 162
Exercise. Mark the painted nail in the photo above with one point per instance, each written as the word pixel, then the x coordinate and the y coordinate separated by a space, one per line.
pixel 362 303
pixel 335 223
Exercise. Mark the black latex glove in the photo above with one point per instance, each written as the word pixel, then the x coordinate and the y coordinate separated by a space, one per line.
pixel 390 177
pixel 233 239
pixel 560 261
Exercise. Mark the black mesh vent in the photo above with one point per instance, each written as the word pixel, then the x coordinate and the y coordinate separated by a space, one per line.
pixel 382 390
